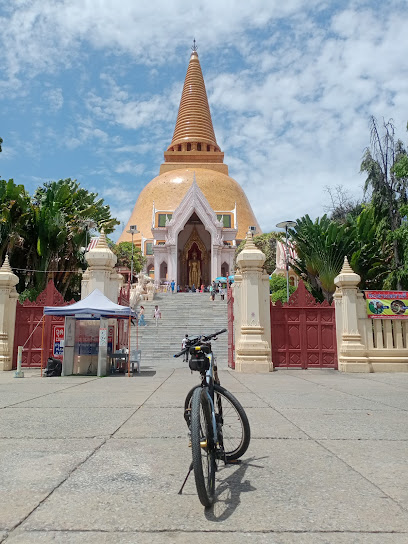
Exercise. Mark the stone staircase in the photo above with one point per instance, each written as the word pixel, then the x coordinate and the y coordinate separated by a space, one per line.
pixel 182 313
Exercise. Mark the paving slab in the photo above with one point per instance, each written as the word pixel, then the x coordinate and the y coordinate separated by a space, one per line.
pixel 10 394
pixel 153 422
pixel 350 424
pixel 382 462
pixel 180 537
pixel 71 422
pixel 31 469
pixel 95 399
pixel 283 486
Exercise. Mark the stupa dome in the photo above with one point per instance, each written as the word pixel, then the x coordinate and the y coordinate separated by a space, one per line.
pixel 167 191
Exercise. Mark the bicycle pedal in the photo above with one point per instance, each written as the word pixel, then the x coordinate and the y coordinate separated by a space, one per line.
pixel 234 462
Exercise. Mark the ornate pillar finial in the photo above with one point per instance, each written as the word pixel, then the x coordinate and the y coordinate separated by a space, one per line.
pixel 194 46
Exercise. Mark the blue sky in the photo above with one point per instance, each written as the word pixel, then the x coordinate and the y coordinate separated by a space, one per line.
pixel 90 90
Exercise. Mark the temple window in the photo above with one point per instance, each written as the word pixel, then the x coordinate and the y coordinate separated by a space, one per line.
pixel 226 220
pixel 149 248
pixel 163 217
pixel 188 147
pixel 208 148
pixel 198 147
pixel 179 148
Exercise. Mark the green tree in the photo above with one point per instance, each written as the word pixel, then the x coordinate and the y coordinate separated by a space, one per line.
pixel 53 235
pixel 321 246
pixel 123 252
pixel 384 163
pixel 278 288
pixel 14 208
pixel 267 244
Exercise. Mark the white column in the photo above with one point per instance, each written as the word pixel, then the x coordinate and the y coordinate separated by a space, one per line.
pixel 352 353
pixel 253 352
pixel 101 262
pixel 8 302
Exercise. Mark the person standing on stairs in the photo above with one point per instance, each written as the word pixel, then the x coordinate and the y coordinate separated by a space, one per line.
pixel 142 321
pixel 157 314
pixel 183 345
pixel 172 285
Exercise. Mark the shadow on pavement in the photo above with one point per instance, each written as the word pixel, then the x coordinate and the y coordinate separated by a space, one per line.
pixel 228 492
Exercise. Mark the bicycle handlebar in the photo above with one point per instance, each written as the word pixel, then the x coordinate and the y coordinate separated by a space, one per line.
pixel 202 338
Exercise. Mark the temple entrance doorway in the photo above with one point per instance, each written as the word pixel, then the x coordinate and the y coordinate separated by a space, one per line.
pixel 225 270
pixel 194 254
pixel 163 271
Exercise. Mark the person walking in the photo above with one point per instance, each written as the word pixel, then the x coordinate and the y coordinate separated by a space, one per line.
pixel 172 285
pixel 142 322
pixel 212 293
pixel 157 314
pixel 183 345
pixel 222 292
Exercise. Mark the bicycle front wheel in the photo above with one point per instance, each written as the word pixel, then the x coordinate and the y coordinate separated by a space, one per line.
pixel 203 447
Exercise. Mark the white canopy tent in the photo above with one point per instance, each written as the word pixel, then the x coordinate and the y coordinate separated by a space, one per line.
pixel 96 304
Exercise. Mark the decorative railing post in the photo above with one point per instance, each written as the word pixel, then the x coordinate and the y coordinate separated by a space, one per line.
pixel 253 350
pixel 8 301
pixel 352 353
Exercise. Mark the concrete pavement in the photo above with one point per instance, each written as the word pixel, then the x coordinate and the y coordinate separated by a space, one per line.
pixel 101 460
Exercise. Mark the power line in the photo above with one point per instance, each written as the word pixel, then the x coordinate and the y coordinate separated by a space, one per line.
pixel 47 271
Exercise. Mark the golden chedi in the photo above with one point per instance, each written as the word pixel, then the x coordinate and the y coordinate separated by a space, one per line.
pixel 193 214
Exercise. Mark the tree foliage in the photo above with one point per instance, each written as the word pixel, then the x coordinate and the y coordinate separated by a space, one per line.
pixel 123 252
pixel 384 164
pixel 45 234
pixel 267 244
pixel 278 288
pixel 321 246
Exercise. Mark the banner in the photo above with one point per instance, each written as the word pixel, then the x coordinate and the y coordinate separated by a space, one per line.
pixel 387 304
pixel 58 340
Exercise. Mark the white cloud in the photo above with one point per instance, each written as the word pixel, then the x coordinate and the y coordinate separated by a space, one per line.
pixel 291 85
pixel 55 99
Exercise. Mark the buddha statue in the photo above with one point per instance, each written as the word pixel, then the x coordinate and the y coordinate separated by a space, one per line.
pixel 194 270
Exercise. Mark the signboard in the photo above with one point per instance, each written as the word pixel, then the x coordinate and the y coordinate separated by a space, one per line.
pixel 387 304
pixel 58 340
pixel 103 337
pixel 111 333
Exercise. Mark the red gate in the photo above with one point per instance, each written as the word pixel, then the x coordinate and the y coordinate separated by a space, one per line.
pixel 303 332
pixel 28 316
pixel 231 345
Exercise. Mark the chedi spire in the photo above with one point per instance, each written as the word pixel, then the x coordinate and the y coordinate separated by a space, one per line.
pixel 194 131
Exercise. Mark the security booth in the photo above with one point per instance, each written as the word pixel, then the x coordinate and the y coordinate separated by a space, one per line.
pixel 91 330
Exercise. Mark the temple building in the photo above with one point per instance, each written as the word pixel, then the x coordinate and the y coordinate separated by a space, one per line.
pixel 191 217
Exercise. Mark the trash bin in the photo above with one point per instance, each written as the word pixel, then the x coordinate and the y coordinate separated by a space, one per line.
pixel 54 367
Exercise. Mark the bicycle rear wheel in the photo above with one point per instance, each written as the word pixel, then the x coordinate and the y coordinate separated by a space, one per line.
pixel 203 447
pixel 233 419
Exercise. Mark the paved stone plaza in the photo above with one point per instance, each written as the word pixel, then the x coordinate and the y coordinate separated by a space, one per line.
pixel 101 460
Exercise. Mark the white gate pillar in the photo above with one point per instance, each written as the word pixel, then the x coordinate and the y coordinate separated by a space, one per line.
pixel 8 302
pixel 253 350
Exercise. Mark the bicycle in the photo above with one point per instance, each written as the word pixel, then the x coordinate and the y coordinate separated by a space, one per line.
pixel 218 425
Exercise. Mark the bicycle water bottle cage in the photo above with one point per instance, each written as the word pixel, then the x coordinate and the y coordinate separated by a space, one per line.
pixel 198 360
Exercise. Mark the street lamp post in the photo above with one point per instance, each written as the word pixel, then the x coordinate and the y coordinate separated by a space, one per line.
pixel 133 230
pixel 285 225
pixel 89 224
